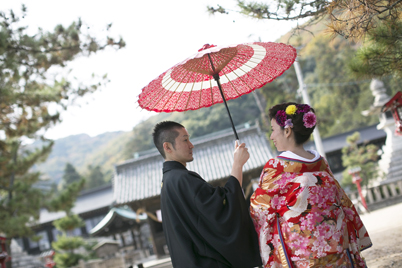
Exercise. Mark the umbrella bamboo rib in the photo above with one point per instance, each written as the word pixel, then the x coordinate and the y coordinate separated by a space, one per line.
pixel 240 68
pixel 234 71
pixel 277 59
pixel 270 67
pixel 223 94
pixel 189 96
pixel 166 91
pixel 230 81
pixel 258 70
pixel 155 95
pixel 181 93
pixel 167 101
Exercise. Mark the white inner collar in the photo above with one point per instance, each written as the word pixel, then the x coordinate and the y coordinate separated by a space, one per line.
pixel 289 154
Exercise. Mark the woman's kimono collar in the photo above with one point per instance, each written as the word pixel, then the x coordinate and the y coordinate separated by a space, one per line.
pixel 288 155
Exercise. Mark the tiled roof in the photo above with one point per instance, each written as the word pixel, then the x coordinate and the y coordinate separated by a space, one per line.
pixel 101 197
pixel 140 178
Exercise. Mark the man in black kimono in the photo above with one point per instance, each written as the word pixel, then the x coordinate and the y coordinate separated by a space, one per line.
pixel 204 226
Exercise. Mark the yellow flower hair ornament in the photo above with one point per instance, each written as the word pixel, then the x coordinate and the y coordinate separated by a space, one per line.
pixel 291 109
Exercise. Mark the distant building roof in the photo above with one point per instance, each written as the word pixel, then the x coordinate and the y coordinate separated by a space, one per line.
pixel 121 216
pixel 337 142
pixel 90 200
pixel 140 178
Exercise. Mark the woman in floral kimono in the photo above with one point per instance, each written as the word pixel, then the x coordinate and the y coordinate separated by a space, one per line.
pixel 301 214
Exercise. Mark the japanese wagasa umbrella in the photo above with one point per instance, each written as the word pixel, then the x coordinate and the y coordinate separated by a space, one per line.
pixel 217 74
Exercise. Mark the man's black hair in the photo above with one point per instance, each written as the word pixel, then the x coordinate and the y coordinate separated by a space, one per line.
pixel 165 131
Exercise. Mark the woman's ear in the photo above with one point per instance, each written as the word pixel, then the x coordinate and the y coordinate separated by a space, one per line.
pixel 288 132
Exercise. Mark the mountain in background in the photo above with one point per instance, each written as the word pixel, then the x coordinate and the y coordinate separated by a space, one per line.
pixel 82 150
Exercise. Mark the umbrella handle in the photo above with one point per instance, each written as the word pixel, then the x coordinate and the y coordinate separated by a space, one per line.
pixel 226 105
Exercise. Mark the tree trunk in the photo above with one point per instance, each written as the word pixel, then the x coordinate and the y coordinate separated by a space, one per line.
pixel 261 108
pixel 14 151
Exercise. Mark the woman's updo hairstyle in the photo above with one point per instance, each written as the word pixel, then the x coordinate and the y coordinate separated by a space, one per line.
pixel 300 117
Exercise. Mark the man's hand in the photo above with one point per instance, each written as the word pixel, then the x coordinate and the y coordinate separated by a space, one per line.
pixel 241 156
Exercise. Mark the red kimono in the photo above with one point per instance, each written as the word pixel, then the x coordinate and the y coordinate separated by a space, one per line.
pixel 304 218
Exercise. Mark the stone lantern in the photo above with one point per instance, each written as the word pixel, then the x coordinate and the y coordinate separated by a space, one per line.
pixel 390 164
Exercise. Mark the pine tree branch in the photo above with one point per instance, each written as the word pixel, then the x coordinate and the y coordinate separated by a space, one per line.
pixel 17 48
pixel 50 50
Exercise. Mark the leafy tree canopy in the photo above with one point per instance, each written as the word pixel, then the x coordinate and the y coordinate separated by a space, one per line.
pixel 382 53
pixel 94 177
pixel 70 174
pixel 363 156
pixel 64 200
pixel 350 19
pixel 32 81
pixel 66 247
pixel 68 224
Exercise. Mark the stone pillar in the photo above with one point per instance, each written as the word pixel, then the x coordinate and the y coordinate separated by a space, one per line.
pixel 123 241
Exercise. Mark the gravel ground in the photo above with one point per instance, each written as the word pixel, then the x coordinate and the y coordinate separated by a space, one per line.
pixel 385 229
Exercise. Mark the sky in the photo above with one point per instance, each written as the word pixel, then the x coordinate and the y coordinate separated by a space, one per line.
pixel 158 34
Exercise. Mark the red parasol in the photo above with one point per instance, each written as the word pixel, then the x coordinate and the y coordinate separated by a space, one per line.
pixel 216 74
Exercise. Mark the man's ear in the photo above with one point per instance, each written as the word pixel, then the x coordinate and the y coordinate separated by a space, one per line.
pixel 167 146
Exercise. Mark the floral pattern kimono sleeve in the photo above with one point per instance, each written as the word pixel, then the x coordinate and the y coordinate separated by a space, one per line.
pixel 303 203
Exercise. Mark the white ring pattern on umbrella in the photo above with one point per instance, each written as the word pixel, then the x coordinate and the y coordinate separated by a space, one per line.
pixel 259 54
